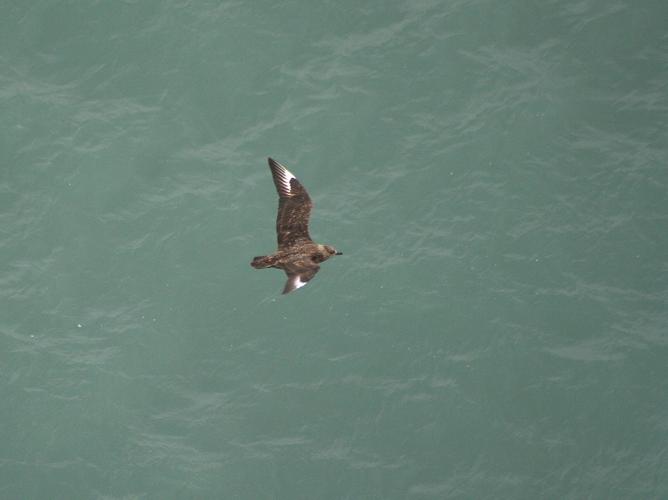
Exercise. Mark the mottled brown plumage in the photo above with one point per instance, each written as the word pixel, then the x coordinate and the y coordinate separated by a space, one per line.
pixel 297 254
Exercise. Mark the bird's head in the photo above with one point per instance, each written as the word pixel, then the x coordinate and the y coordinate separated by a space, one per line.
pixel 329 251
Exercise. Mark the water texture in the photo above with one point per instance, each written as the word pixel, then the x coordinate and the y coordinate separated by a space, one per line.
pixel 495 173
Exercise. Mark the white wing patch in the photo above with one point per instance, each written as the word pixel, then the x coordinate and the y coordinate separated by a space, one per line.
pixel 298 282
pixel 286 178
pixel 294 282
pixel 282 178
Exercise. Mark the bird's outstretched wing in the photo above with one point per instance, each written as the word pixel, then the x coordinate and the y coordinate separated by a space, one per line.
pixel 298 277
pixel 294 207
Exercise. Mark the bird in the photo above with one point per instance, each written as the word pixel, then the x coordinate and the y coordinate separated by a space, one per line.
pixel 297 254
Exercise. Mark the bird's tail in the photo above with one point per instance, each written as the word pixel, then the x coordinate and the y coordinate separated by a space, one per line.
pixel 263 261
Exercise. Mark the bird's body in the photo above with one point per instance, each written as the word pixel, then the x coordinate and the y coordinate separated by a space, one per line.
pixel 297 254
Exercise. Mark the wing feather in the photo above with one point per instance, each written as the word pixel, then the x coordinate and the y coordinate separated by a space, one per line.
pixel 294 207
pixel 298 277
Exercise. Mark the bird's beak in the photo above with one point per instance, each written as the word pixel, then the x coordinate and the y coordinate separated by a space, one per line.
pixel 338 253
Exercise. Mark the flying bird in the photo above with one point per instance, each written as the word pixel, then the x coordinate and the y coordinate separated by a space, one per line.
pixel 297 255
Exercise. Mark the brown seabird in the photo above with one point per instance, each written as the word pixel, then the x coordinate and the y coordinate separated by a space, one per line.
pixel 297 254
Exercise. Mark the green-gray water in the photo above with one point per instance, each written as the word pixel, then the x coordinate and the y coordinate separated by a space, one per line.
pixel 496 174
